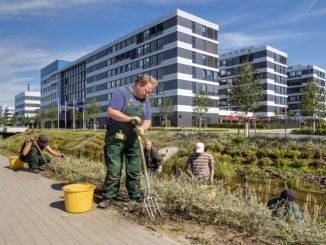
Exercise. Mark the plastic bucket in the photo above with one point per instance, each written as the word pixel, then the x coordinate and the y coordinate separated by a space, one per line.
pixel 15 163
pixel 78 197
pixel 209 190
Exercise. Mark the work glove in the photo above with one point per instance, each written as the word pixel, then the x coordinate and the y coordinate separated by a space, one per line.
pixel 136 120
pixel 139 131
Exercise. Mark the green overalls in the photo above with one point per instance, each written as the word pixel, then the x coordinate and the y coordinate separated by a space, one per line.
pixel 121 140
pixel 34 158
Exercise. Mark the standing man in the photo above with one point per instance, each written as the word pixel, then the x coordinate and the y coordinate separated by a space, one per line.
pixel 200 165
pixel 127 108
pixel 152 157
pixel 31 152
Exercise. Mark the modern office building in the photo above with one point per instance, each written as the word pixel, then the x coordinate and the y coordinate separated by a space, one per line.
pixel 271 64
pixel 26 104
pixel 51 83
pixel 298 77
pixel 179 50
pixel 8 112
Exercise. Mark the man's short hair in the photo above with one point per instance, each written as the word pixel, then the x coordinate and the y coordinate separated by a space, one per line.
pixel 287 194
pixel 146 79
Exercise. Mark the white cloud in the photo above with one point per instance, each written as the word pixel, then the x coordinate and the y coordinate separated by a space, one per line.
pixel 234 40
pixel 21 64
pixel 28 6
pixel 304 10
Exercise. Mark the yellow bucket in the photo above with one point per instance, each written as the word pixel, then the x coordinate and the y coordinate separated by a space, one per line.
pixel 15 163
pixel 78 197
pixel 210 190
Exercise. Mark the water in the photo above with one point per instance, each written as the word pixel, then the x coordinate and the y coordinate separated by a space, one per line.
pixel 311 201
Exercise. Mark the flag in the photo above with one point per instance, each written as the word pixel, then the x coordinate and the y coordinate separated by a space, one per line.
pixel 84 102
pixel 65 105
pixel 74 102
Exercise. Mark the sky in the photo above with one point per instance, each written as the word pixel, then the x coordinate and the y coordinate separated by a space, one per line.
pixel 34 33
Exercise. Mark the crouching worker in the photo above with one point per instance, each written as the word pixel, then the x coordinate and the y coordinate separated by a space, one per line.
pixel 31 152
pixel 283 206
pixel 152 157
pixel 200 165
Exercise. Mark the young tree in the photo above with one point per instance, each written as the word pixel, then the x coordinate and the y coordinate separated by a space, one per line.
pixel 93 110
pixel 200 106
pixel 313 100
pixel 13 120
pixel 2 120
pixel 165 108
pixel 52 114
pixel 245 92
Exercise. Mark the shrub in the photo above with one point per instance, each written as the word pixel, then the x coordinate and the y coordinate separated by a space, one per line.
pixel 239 139
pixel 183 153
pixel 265 161
pixel 298 163
pixel 292 154
pixel 282 162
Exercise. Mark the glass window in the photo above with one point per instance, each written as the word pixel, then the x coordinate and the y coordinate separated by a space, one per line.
pixel 193 57
pixel 193 26
pixel 203 31
pixel 194 87
pixel 194 72
pixel 193 42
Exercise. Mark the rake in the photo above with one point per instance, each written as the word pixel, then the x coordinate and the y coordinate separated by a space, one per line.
pixel 150 202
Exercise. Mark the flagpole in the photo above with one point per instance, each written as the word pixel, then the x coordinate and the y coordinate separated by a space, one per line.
pixel 84 124
pixel 65 115
pixel 73 114
pixel 58 113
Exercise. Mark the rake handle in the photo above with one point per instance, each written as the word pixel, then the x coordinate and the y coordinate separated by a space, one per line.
pixel 144 164
pixel 39 149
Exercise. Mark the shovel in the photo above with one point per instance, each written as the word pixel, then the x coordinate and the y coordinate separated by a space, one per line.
pixel 150 201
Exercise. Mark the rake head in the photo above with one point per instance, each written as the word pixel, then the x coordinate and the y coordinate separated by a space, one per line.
pixel 152 207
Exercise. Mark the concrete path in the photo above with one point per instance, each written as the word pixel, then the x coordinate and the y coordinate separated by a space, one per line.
pixel 32 212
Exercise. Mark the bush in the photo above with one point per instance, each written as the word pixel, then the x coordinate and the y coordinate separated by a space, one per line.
pixel 265 161
pixel 298 163
pixel 183 153
pixel 239 139
pixel 292 154
pixel 282 162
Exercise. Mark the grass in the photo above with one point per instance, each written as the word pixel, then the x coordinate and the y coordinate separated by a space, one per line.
pixel 230 209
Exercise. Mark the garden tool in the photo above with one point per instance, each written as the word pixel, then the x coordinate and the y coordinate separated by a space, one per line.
pixel 150 202
pixel 39 149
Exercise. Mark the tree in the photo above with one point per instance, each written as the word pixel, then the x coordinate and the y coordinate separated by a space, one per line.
pixel 27 120
pixel 165 108
pixel 245 92
pixel 13 120
pixel 52 114
pixel 92 110
pixel 2 120
pixel 200 106
pixel 312 101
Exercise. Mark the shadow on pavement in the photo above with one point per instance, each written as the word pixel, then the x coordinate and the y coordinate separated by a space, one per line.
pixel 59 205
pixel 17 170
pixel 58 186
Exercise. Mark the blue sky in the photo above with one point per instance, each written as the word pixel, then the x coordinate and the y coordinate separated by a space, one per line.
pixel 33 33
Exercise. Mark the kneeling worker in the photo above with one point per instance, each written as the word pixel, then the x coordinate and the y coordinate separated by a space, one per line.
pixel 31 152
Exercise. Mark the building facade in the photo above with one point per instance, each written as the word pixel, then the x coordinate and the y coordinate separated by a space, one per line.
pixel 270 64
pixel 51 83
pixel 298 77
pixel 179 50
pixel 26 104
pixel 8 113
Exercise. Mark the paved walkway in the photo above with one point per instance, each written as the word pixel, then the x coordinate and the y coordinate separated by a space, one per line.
pixel 32 212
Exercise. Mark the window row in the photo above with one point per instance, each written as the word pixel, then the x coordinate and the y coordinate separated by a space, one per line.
pixel 51 79
pixel 131 54
pixel 73 71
